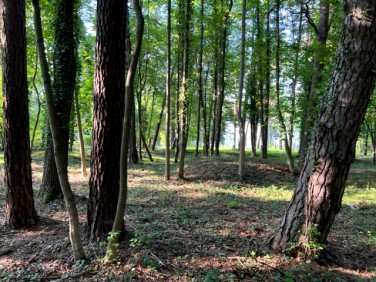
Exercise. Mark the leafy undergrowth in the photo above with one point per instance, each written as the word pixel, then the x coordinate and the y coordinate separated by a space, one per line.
pixel 210 227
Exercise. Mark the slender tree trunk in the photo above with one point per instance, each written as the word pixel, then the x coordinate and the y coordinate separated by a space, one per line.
pixel 19 209
pixel 265 120
pixel 239 114
pixel 200 74
pixel 317 197
pixel 281 120
pixel 158 126
pixel 183 134
pixel 222 80
pixel 38 102
pixel 74 229
pixel 168 94
pixel 120 210
pixel 80 135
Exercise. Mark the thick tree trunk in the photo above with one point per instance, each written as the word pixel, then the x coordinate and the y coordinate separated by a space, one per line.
pixel 317 197
pixel 109 88
pixel 19 209
pixel 120 209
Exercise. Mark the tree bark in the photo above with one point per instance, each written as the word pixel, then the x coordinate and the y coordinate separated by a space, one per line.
pixel 19 209
pixel 317 197
pixel 109 88
pixel 120 210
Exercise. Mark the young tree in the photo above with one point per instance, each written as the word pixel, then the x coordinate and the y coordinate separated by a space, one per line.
pixel 317 197
pixel 19 210
pixel 109 88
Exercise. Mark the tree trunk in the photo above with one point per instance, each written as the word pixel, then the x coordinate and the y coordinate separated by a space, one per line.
pixel 221 97
pixel 120 210
pixel 74 229
pixel 132 152
pixel 284 135
pixel 109 88
pixel 38 103
pixel 265 120
pixel 239 114
pixel 168 94
pixel 183 133
pixel 19 209
pixel 158 126
pixel 317 197
pixel 80 135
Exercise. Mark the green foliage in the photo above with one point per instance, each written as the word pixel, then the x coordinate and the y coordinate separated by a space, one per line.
pixel 144 239
pixel 234 204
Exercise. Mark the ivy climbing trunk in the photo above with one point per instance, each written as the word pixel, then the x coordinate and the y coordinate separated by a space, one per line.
pixel 74 224
pixel 317 197
pixel 64 82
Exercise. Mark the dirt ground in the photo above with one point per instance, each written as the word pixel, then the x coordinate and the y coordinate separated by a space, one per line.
pixel 207 228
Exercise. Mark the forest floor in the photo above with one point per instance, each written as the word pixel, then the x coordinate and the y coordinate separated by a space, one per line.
pixel 210 227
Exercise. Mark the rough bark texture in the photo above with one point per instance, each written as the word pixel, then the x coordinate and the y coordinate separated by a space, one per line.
pixel 107 121
pixel 317 197
pixel 19 210
pixel 65 68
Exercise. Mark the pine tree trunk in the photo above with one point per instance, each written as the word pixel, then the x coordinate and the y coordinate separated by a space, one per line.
pixel 19 209
pixel 109 88
pixel 317 197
